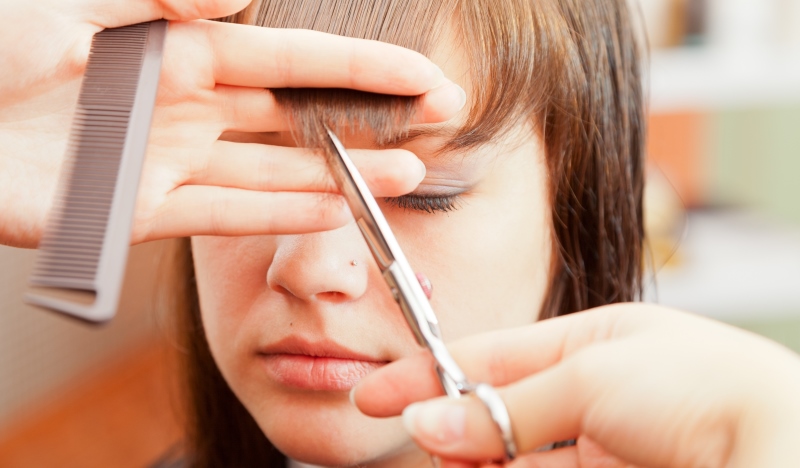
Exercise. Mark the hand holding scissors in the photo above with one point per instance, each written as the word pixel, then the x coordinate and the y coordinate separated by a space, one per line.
pixel 638 384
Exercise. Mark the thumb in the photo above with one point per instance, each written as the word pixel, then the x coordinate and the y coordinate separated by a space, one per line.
pixel 116 13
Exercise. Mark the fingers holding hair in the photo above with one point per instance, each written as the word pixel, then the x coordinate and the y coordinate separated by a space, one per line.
pixel 255 110
pixel 277 58
pixel 293 58
pixel 266 168
pixel 239 189
pixel 192 210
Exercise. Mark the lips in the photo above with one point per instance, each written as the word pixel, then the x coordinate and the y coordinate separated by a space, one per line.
pixel 316 365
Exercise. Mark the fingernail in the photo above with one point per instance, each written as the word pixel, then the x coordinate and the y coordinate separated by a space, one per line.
pixel 352 396
pixel 462 96
pixel 451 93
pixel 421 170
pixel 438 77
pixel 427 286
pixel 440 423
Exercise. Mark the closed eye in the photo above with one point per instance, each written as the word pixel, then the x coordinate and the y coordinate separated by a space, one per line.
pixel 427 203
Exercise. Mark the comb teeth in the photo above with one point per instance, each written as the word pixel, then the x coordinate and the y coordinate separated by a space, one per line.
pixel 106 141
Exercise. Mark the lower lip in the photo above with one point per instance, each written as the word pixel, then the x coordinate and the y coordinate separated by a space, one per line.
pixel 317 373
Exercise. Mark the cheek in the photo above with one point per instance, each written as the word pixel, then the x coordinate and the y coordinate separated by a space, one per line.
pixel 230 276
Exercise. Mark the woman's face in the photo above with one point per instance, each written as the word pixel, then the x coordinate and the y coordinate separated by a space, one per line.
pixel 295 321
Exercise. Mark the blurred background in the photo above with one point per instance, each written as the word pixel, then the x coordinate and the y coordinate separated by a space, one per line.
pixel 722 209
pixel 722 216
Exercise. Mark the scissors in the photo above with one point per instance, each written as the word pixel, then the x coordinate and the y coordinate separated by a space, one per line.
pixel 407 291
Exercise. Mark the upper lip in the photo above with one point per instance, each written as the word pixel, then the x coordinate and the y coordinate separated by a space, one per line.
pixel 315 348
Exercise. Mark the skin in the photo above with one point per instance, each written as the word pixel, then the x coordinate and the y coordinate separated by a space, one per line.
pixel 640 384
pixel 488 261
pixel 212 81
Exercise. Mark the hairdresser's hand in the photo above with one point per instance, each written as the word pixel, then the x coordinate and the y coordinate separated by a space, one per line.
pixel 212 81
pixel 639 384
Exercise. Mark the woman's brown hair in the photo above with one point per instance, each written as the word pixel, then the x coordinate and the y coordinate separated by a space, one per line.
pixel 569 68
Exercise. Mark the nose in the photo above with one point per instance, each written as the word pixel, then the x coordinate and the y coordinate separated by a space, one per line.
pixel 330 266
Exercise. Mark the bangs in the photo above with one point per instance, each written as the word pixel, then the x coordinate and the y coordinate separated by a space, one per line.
pixel 498 48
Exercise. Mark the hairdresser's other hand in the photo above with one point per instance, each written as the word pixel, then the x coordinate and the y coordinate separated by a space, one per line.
pixel 640 384
pixel 212 81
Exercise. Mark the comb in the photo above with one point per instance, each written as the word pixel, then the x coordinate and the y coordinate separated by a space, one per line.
pixel 84 249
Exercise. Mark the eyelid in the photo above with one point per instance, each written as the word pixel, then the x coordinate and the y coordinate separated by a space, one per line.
pixel 429 191
pixel 427 203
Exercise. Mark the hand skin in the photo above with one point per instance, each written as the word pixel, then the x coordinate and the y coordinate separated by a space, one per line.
pixel 639 384
pixel 212 81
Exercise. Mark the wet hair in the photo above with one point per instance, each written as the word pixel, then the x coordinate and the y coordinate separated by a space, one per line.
pixel 568 68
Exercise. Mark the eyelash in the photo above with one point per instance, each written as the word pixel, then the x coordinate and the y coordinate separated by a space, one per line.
pixel 428 204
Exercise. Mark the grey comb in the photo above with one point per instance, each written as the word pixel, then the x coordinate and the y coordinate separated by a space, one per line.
pixel 84 248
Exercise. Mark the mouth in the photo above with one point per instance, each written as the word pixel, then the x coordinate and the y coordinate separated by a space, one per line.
pixel 316 365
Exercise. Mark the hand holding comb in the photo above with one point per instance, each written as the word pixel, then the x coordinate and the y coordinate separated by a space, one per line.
pixel 84 249
pixel 196 181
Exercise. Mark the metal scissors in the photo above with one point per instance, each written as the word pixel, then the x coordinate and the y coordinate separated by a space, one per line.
pixel 407 291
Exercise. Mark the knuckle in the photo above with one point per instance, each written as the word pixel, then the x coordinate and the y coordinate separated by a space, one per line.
pixel 285 49
pixel 199 168
pixel 583 368
pixel 497 366
pixel 217 215
pixel 353 65
pixel 266 173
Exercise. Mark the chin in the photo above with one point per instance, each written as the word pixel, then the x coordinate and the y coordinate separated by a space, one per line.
pixel 330 431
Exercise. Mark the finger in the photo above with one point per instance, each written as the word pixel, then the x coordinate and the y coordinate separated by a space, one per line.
pixel 593 455
pixel 459 429
pixel 497 358
pixel 456 464
pixel 586 454
pixel 441 103
pixel 561 458
pixel 484 444
pixel 115 13
pixel 197 210
pixel 255 110
pixel 545 407
pixel 401 383
pixel 260 57
pixel 250 166
pixel 244 109
pixel 463 429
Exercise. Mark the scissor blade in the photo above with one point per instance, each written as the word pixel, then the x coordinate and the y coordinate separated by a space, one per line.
pixel 395 268
pixel 362 204
pixel 384 246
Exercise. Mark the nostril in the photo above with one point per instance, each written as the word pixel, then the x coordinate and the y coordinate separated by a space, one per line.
pixel 332 296
pixel 280 289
